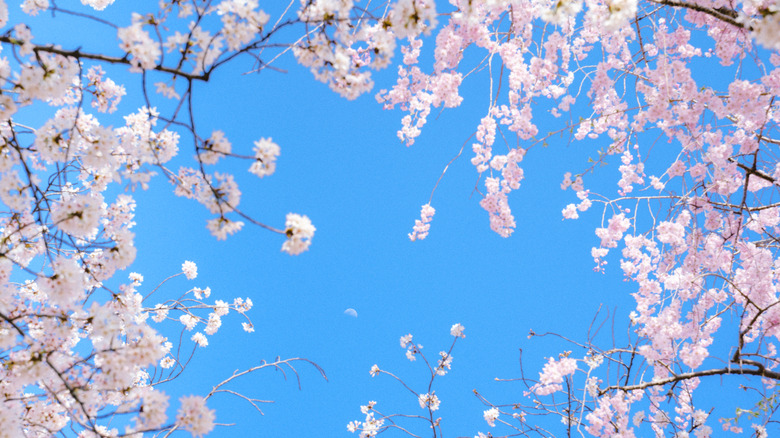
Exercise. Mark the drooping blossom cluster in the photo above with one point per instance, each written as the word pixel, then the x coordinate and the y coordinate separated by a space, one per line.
pixel 692 219
pixel 422 225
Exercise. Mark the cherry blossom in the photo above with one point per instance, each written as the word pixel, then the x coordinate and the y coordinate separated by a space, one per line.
pixel 429 401
pixel 491 415
pixel 690 219
pixel 421 226
pixel 266 153
pixel 299 232
pixel 457 331
pixel 190 270
pixel 194 416
pixel 375 421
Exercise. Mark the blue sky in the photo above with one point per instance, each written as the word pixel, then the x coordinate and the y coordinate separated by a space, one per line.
pixel 343 166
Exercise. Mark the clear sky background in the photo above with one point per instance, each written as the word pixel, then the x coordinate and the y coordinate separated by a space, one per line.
pixel 343 166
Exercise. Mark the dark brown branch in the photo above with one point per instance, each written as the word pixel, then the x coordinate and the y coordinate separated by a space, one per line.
pixel 752 171
pixel 78 54
pixel 729 16
pixel 759 371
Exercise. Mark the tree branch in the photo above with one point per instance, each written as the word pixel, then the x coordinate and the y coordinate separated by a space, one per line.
pixel 760 371
pixel 729 16
pixel 78 54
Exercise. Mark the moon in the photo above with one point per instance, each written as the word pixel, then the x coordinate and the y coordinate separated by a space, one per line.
pixel 351 312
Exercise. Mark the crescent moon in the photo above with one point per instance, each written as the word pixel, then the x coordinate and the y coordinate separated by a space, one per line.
pixel 351 312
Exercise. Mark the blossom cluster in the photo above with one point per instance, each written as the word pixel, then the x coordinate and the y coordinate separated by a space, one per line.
pixel 79 347
pixel 421 226
pixel 692 218
pixel 299 232
pixel 694 231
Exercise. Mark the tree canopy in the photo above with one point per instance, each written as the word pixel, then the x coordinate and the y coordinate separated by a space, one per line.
pixel 679 95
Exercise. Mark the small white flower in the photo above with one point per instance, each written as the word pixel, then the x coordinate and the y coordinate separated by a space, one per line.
pixel 491 415
pixel 299 231
pixel 189 321
pixel 200 339
pixel 266 153
pixel 189 269
pixel 368 407
pixel 429 400
pixel 457 331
